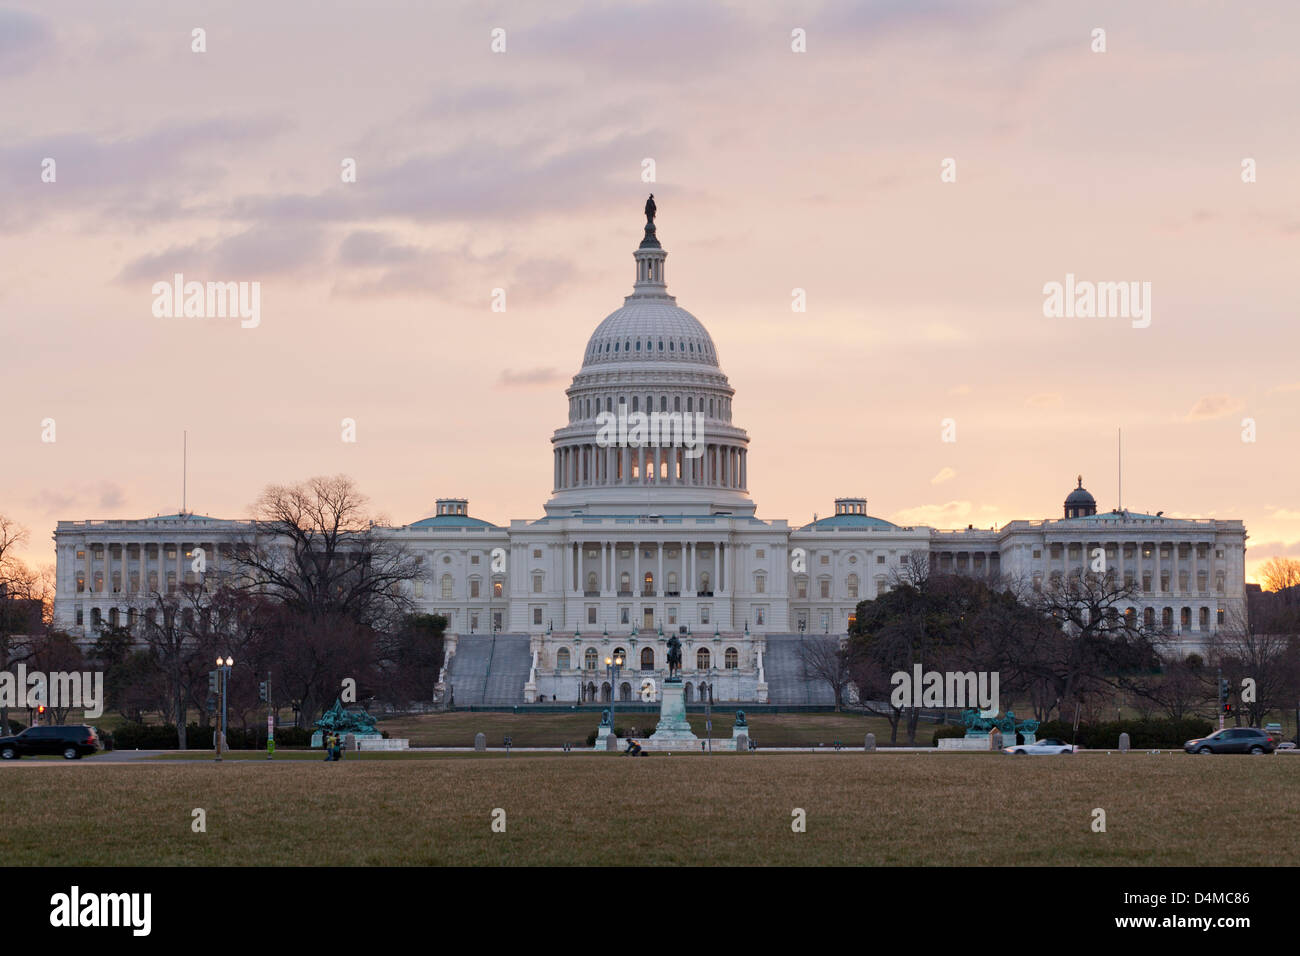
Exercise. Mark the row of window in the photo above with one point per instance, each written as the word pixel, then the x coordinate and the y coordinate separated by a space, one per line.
pixel 583 408
pixel 674 347
pixel 1130 552
pixel 591 659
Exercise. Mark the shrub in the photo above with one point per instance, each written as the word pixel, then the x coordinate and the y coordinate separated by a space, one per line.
pixel 163 737
pixel 1151 734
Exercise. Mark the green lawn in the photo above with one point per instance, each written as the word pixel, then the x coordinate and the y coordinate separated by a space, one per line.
pixel 861 809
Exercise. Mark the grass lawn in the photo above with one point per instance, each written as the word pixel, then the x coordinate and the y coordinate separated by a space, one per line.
pixel 457 729
pixel 862 809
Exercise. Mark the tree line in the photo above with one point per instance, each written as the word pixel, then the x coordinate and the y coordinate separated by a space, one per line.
pixel 1065 648
pixel 313 594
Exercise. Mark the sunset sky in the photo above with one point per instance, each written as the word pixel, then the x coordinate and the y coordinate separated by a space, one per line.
pixel 775 170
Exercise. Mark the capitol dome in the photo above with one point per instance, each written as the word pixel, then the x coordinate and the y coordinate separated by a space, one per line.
pixel 650 357
pixel 649 330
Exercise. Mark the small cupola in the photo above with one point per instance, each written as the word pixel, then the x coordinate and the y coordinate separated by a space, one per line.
pixel 1079 503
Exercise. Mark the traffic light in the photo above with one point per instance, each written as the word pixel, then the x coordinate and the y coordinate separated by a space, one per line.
pixel 1227 708
pixel 213 685
pixel 262 692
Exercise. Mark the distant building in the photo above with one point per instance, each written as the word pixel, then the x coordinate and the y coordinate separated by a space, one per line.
pixel 642 541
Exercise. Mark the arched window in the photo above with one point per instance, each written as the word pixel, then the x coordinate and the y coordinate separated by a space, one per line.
pixel 852 584
pixel 604 692
pixel 702 659
pixel 649 584
pixel 591 581
pixel 704 581
pixel 1149 617
pixel 625 583
pixel 625 691
pixel 562 658
pixel 589 659
pixel 672 582
pixel 619 652
pixel 686 691
pixel 647 659
pixel 731 659
pixel 496 588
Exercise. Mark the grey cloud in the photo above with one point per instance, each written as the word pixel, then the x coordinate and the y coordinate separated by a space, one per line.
pixel 474 181
pixel 369 247
pixel 1213 406
pixel 647 42
pixel 24 39
pixel 262 250
pixel 530 377
pixel 1280 549
pixel 126 177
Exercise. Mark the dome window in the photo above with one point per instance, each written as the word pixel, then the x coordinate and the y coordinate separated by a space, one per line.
pixel 661 345
pixel 638 345
pixel 670 345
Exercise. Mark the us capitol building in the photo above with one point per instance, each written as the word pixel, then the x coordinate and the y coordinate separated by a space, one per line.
pixel 638 543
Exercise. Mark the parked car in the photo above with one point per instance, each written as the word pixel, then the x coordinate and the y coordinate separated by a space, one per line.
pixel 73 741
pixel 1048 745
pixel 1233 740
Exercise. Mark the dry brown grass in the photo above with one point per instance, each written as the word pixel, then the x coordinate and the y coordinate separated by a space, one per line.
pixel 962 809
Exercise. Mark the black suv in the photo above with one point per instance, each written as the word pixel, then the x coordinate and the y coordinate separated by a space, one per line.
pixel 1233 740
pixel 73 741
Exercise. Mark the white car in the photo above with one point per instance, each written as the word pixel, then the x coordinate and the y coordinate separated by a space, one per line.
pixel 1049 745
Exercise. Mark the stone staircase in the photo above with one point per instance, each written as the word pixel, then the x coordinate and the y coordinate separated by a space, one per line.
pixel 489 670
pixel 788 683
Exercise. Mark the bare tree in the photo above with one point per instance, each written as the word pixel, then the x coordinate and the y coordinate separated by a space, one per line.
pixel 23 599
pixel 1281 574
pixel 1271 661
pixel 825 658
pixel 316 550
pixel 162 627
pixel 1098 644
pixel 1179 690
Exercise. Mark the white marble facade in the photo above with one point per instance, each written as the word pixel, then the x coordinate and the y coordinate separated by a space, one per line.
pixel 636 540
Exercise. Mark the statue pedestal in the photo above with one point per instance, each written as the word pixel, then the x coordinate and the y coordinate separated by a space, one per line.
pixel 673 729
pixel 318 738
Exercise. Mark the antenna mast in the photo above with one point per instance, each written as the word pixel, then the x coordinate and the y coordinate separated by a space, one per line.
pixel 1120 464
pixel 185 467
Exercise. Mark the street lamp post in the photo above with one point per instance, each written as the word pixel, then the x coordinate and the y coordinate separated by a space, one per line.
pixel 223 665
pixel 708 710
pixel 612 667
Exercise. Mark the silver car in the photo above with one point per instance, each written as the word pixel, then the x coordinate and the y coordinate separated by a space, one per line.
pixel 1048 745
